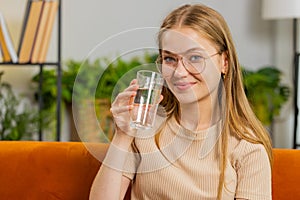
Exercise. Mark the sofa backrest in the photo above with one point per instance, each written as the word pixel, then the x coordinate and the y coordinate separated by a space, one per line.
pixel 65 170
pixel 46 170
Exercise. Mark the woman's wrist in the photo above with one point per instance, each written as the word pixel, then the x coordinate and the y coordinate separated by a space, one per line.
pixel 122 139
pixel 118 151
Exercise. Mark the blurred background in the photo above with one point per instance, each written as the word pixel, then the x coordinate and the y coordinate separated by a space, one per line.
pixel 87 24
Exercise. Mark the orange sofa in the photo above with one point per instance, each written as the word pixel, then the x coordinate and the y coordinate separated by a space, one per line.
pixel 65 171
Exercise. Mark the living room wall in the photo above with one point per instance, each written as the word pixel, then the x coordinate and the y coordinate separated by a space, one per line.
pixel 85 24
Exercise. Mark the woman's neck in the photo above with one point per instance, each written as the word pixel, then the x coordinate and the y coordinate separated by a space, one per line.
pixel 200 115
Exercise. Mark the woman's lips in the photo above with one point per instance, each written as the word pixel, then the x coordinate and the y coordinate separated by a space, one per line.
pixel 183 85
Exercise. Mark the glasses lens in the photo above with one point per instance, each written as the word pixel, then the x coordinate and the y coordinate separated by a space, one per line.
pixel 194 65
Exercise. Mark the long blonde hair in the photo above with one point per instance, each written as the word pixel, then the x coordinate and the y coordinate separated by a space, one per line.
pixel 239 117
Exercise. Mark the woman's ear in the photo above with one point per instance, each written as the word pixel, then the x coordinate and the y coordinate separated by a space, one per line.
pixel 224 63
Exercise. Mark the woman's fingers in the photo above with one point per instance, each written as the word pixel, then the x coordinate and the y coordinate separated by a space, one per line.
pixel 160 98
pixel 121 109
pixel 126 97
pixel 122 106
pixel 132 87
pixel 133 82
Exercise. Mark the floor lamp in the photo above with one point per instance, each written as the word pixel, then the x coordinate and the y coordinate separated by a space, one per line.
pixel 287 9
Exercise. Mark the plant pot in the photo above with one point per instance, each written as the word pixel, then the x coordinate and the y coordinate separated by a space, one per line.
pixel 91 121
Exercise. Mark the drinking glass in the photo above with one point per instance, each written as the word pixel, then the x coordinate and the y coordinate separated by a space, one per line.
pixel 146 101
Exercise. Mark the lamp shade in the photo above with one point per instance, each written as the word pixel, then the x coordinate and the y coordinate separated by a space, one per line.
pixel 280 9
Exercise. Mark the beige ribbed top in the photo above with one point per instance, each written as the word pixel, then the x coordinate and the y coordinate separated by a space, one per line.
pixel 186 166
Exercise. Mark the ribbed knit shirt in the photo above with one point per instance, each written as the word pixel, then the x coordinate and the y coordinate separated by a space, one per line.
pixel 186 166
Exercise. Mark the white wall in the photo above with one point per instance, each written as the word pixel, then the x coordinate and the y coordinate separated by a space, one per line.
pixel 93 21
pixel 283 52
pixel 87 23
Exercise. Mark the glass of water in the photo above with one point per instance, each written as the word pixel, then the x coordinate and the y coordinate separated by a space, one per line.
pixel 146 101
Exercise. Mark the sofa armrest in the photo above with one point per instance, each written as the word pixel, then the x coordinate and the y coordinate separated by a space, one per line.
pixel 286 174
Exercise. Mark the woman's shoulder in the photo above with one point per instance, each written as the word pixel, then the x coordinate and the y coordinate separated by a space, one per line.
pixel 241 151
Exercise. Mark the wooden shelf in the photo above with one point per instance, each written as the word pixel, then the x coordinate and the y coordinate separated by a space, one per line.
pixel 56 64
pixel 31 64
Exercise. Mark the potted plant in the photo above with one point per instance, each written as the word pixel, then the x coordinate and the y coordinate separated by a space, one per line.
pixel 266 93
pixel 18 120
pixel 69 74
pixel 90 89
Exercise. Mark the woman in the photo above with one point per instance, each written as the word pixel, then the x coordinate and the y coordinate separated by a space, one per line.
pixel 211 145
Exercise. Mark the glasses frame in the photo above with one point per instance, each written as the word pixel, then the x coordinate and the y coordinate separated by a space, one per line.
pixel 180 57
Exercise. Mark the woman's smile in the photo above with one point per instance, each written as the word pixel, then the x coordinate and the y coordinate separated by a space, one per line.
pixel 184 85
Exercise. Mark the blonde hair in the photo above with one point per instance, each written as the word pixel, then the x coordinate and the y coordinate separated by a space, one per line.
pixel 239 117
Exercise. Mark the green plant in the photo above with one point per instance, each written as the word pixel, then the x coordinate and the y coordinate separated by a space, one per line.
pixel 49 87
pixel 69 73
pixel 83 81
pixel 118 74
pixel 265 92
pixel 17 119
pixel 93 79
pixel 263 87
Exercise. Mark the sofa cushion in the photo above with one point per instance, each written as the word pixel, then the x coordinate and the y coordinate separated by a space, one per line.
pixel 286 174
pixel 65 170
pixel 46 170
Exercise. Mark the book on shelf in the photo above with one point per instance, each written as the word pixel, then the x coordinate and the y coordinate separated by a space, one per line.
pixel 43 35
pixel 1 54
pixel 25 19
pixel 30 26
pixel 35 36
pixel 7 47
pixel 5 53
pixel 48 30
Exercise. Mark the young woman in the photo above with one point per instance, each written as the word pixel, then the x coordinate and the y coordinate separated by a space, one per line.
pixel 210 145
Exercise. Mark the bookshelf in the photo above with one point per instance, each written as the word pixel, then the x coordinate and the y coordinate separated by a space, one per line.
pixel 41 65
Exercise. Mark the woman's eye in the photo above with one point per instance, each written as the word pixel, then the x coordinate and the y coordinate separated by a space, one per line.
pixel 195 58
pixel 169 60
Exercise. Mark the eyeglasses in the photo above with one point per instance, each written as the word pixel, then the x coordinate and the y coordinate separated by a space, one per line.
pixel 193 61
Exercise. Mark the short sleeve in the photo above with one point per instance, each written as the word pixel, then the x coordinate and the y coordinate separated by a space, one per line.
pixel 253 173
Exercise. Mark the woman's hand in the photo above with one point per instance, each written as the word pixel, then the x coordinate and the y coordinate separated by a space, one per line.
pixel 121 108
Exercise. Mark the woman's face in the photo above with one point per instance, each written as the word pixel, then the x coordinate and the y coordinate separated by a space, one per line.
pixel 191 65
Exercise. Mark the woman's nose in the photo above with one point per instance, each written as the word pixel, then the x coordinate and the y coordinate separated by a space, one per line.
pixel 180 69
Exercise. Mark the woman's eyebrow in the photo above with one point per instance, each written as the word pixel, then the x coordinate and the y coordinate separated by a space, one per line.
pixel 189 50
pixel 167 52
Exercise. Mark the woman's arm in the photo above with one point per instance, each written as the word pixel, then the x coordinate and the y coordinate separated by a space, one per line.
pixel 112 189
pixel 109 182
